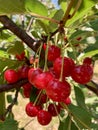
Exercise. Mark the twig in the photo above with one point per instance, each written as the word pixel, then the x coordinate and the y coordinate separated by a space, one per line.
pixel 46 18
pixel 9 24
pixel 9 108
pixel 7 87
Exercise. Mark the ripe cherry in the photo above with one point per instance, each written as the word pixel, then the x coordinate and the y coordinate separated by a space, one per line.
pixel 67 101
pixel 87 60
pixel 82 73
pixel 41 80
pixel 32 73
pixel 20 56
pixel 44 117
pixel 31 109
pixel 67 68
pixel 57 90
pixel 53 52
pixel 23 71
pixel 43 98
pixel 11 76
pixel 54 109
pixel 27 90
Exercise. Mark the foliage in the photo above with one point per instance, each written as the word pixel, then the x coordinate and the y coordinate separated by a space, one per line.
pixel 45 24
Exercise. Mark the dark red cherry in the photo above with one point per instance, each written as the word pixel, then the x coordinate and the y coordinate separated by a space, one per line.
pixel 23 71
pixel 82 73
pixel 41 80
pixel 32 73
pixel 11 76
pixel 53 52
pixel 67 101
pixel 87 60
pixel 57 90
pixel 27 89
pixel 54 109
pixel 31 109
pixel 67 68
pixel 44 117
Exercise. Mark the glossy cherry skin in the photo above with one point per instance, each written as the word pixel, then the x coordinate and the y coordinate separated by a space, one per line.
pixel 23 71
pixel 67 68
pixel 57 90
pixel 82 73
pixel 54 109
pixel 31 109
pixel 32 73
pixel 44 117
pixel 87 60
pixel 53 52
pixel 41 80
pixel 11 76
pixel 27 90
pixel 67 101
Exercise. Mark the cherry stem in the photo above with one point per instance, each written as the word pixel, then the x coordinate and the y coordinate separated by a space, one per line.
pixel 40 49
pixel 57 112
pixel 37 97
pixel 46 54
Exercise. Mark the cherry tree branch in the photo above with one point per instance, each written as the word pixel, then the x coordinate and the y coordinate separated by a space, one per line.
pixel 7 87
pixel 20 33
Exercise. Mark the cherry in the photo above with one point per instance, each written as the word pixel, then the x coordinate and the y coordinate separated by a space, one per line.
pixel 54 109
pixel 11 76
pixel 41 80
pixel 31 109
pixel 27 90
pixel 67 68
pixel 43 98
pixel 67 101
pixel 44 117
pixel 23 71
pixel 82 73
pixel 20 56
pixel 53 52
pixel 32 73
pixel 57 90
pixel 87 60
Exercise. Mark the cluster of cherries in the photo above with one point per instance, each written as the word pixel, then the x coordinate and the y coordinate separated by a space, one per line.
pixel 51 90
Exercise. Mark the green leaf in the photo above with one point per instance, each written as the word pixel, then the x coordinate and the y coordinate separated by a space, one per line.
pixel 2 104
pixel 67 124
pixel 9 98
pixel 8 63
pixel 12 7
pixel 18 48
pixel 35 6
pixel 89 54
pixel 84 9
pixel 9 124
pixel 80 99
pixel 81 116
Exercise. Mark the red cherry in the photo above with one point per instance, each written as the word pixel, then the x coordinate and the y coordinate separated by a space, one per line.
pixel 44 117
pixel 43 98
pixel 41 80
pixel 11 76
pixel 54 109
pixel 32 73
pixel 31 110
pixel 20 56
pixel 27 90
pixel 87 60
pixel 82 73
pixel 24 71
pixel 53 52
pixel 67 101
pixel 67 68
pixel 57 90
pixel 44 46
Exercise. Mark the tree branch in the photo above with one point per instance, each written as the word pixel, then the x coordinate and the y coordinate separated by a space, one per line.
pixel 9 24
pixel 7 87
